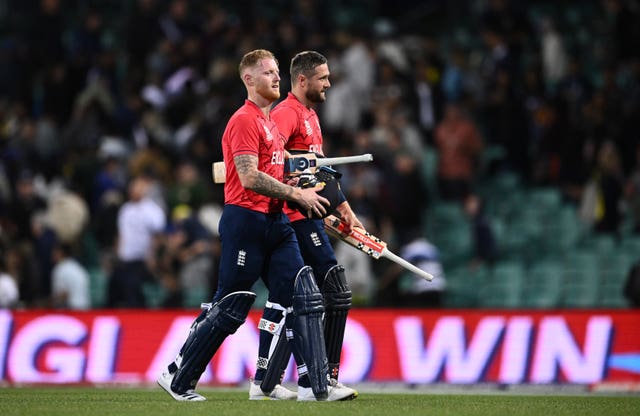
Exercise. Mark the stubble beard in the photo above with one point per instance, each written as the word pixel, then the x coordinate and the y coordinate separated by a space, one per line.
pixel 316 96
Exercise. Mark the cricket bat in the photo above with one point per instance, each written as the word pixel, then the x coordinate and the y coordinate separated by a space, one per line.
pixel 370 244
pixel 297 164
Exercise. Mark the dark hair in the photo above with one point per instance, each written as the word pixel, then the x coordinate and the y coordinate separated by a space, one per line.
pixel 305 63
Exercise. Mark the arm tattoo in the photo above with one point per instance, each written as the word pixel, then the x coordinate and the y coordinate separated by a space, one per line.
pixel 260 182
pixel 245 164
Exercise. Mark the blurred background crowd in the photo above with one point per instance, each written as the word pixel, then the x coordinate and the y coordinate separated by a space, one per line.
pixel 504 133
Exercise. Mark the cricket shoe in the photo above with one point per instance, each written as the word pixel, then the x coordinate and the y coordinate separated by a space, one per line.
pixel 337 392
pixel 279 392
pixel 190 395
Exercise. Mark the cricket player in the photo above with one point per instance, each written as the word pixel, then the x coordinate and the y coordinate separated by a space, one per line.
pixel 298 122
pixel 258 241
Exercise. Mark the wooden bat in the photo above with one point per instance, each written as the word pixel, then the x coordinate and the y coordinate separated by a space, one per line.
pixel 370 244
pixel 297 164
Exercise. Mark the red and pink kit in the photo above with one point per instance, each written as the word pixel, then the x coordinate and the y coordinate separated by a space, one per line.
pixel 300 128
pixel 249 132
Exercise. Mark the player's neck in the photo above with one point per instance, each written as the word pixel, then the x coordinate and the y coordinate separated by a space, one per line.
pixel 262 103
pixel 300 96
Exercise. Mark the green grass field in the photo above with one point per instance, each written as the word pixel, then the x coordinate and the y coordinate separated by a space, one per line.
pixel 81 401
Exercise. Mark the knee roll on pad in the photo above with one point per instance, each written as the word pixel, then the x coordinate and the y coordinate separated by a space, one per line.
pixel 206 335
pixel 335 290
pixel 337 300
pixel 307 298
pixel 308 308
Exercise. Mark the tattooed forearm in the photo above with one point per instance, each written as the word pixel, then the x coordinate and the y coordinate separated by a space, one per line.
pixel 251 178
pixel 266 185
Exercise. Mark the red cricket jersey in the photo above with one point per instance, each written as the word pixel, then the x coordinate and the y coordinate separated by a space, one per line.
pixel 300 128
pixel 250 132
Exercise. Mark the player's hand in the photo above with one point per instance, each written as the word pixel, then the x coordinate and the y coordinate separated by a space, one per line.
pixel 348 217
pixel 351 221
pixel 312 202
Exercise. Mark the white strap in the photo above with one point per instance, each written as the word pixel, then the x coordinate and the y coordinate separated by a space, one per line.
pixel 278 307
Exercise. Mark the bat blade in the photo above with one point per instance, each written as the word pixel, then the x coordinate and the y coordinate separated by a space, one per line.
pixel 369 244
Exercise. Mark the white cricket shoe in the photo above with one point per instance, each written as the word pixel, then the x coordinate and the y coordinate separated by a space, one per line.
pixel 190 395
pixel 279 392
pixel 337 392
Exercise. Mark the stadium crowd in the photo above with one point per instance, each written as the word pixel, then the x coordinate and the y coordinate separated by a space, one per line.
pixel 95 94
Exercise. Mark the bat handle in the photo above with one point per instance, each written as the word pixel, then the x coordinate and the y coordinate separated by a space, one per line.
pixel 402 262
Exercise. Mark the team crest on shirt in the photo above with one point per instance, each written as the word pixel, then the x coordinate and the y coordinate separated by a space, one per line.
pixel 268 133
pixel 315 239
pixel 307 126
pixel 242 257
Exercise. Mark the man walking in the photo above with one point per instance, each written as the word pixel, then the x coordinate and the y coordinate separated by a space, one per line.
pixel 298 122
pixel 258 241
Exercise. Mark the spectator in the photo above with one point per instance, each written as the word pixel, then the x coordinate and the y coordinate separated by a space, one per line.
pixel 485 249
pixel 188 187
pixel 402 195
pixel 70 280
pixel 67 215
pixel 39 257
pixel 20 266
pixel 142 31
pixel 554 56
pixel 413 291
pixel 110 178
pixel 64 222
pixel 632 192
pixel 610 180
pixel 632 286
pixel 9 292
pixel 140 222
pixel 459 148
pixel 600 203
pixel 45 33
pixel 23 207
pixel 190 249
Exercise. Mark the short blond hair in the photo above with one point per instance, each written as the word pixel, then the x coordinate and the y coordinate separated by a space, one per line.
pixel 252 58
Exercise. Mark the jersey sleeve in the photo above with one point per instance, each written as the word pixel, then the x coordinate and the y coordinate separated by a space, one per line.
pixel 243 137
